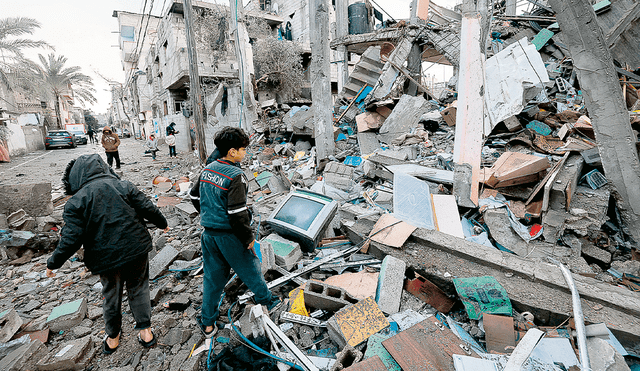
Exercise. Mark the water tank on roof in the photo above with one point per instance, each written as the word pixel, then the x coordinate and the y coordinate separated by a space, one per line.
pixel 358 19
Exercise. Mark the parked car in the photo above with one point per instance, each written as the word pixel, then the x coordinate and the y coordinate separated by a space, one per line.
pixel 126 133
pixel 80 137
pixel 59 138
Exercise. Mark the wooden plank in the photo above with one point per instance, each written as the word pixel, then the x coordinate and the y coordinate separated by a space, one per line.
pixel 546 178
pixel 426 346
pixel 370 364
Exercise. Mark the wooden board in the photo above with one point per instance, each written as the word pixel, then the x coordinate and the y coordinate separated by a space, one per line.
pixel 499 332
pixel 393 236
pixel 427 346
pixel 370 364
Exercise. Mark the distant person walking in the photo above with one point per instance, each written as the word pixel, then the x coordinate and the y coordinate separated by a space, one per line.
pixel 110 142
pixel 171 142
pixel 90 133
pixel 152 144
pixel 106 216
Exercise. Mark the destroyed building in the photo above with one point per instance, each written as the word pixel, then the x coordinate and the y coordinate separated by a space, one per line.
pixel 479 226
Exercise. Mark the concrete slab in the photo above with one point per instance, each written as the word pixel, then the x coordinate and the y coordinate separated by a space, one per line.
pixel 161 261
pixel 287 253
pixel 35 199
pixel 18 359
pixel 68 315
pixel 390 283
pixel 10 323
pixel 73 355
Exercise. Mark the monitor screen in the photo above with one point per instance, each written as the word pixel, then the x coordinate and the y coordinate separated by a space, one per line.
pixel 299 212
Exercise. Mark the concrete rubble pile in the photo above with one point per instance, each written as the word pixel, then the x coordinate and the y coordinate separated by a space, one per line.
pixel 378 265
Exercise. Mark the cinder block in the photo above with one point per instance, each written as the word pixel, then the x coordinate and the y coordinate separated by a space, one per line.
pixel 319 295
pixel 68 315
pixel 390 283
pixel 267 255
pixel 354 324
pixel 35 199
pixel 73 355
pixel 10 322
pixel 346 358
pixel 161 261
pixel 287 253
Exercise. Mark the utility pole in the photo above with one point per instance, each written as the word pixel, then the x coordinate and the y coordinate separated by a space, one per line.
pixel 194 82
pixel 605 103
pixel 467 150
pixel 321 78
pixel 244 54
pixel 342 29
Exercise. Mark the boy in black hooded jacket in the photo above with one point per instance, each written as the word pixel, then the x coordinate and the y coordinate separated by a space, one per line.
pixel 106 215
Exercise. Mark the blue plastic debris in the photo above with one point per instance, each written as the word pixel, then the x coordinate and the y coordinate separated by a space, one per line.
pixel 539 127
pixel 341 137
pixel 353 161
pixel 594 178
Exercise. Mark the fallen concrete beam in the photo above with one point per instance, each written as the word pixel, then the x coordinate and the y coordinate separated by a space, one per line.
pixel 532 286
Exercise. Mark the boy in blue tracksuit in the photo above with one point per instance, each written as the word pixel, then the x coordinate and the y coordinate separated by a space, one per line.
pixel 220 195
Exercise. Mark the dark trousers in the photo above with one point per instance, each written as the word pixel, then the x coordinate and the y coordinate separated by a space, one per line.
pixel 222 251
pixel 135 275
pixel 91 138
pixel 172 151
pixel 111 156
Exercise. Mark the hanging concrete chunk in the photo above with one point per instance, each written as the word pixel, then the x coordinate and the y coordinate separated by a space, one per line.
pixel 390 283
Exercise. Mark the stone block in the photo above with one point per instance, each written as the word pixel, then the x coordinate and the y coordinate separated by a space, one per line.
pixel 592 251
pixel 187 210
pixel 189 253
pixel 176 336
pixel 68 315
pixel 73 355
pixel 192 364
pixel 319 295
pixel 18 358
pixel 390 283
pixel 603 356
pixel 80 331
pixel 34 199
pixel 354 324
pixel 161 261
pixel 287 253
pixel 10 323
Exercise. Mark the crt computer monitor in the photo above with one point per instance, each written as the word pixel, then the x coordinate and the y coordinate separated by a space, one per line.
pixel 303 216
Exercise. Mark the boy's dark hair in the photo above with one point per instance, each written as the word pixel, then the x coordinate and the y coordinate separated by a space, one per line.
pixel 230 137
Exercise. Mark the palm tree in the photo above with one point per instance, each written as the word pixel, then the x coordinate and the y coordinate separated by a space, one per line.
pixel 14 67
pixel 55 80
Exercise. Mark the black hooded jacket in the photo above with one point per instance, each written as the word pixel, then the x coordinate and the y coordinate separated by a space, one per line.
pixel 105 215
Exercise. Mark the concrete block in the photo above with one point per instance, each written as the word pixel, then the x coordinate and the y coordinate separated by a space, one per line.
pixel 603 356
pixel 267 256
pixel 592 251
pixel 319 295
pixel 18 358
pixel 161 261
pixel 390 283
pixel 287 253
pixel 354 324
pixel 10 323
pixel 346 358
pixel 68 315
pixel 565 183
pixel 34 199
pixel 73 355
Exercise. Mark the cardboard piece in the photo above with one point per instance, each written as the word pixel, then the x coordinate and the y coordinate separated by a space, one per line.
pixel 499 333
pixel 446 214
pixel 394 236
pixel 449 115
pixel 513 168
pixel 369 121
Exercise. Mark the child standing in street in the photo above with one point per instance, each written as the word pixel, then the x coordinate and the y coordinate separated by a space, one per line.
pixel 171 142
pixel 220 195
pixel 107 216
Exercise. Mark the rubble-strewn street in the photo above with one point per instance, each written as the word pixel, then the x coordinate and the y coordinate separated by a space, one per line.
pixel 486 222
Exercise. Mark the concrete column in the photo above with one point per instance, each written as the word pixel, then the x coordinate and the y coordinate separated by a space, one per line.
pixel 510 7
pixel 470 118
pixel 321 77
pixel 342 29
pixel 414 65
pixel 605 104
pixel 244 55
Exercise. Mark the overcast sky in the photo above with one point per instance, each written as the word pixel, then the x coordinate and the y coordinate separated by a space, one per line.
pixel 86 33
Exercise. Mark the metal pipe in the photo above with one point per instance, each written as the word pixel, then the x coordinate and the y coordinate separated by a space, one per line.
pixel 577 315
